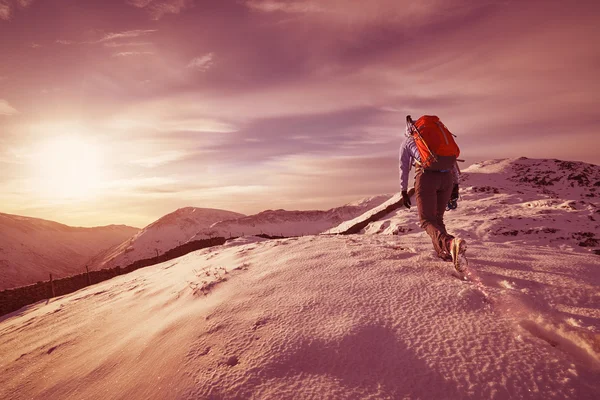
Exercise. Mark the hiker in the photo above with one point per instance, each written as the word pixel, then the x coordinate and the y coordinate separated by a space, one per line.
pixel 436 181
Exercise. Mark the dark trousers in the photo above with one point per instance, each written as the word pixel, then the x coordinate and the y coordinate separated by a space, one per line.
pixel 432 192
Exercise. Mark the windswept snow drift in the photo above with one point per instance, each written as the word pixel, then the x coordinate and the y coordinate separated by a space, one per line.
pixel 32 248
pixel 343 317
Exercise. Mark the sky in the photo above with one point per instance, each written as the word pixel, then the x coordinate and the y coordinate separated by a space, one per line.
pixel 121 111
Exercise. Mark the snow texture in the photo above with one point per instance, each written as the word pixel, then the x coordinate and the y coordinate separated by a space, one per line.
pixel 371 316
pixel 31 248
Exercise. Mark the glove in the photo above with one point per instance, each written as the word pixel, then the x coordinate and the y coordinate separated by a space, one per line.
pixel 405 199
pixel 454 195
pixel 453 203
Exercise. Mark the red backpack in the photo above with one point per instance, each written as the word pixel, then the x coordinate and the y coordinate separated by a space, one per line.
pixel 435 142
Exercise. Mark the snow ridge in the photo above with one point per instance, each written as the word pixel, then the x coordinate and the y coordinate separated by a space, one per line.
pixel 290 223
pixel 164 234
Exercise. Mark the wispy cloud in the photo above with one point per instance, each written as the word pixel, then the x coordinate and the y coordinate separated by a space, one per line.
pixel 202 63
pixel 7 7
pixel 407 13
pixel 159 8
pixel 133 53
pixel 302 6
pixel 7 109
pixel 64 42
pixel 5 10
pixel 126 35
pixel 144 184
pixel 126 44
pixel 160 159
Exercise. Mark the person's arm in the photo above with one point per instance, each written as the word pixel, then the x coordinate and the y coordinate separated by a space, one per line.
pixel 408 153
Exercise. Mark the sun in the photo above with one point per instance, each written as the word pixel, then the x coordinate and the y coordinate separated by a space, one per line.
pixel 69 167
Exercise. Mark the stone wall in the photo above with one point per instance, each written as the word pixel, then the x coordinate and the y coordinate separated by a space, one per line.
pixel 13 299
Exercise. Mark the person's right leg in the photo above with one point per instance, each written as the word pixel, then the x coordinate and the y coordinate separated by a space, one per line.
pixel 426 188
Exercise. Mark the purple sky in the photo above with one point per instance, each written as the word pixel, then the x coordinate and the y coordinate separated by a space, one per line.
pixel 120 111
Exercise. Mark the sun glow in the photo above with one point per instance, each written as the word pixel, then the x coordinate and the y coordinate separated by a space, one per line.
pixel 68 167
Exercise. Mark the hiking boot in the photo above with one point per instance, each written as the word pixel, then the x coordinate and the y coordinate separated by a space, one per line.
pixel 458 247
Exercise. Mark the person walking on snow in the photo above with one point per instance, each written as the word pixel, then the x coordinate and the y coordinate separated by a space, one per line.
pixel 435 186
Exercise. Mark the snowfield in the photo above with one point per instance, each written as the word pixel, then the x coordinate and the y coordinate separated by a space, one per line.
pixel 368 316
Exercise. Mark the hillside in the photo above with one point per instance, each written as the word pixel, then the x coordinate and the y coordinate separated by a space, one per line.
pixel 290 223
pixel 162 235
pixel 370 316
pixel 32 248
pixel 546 202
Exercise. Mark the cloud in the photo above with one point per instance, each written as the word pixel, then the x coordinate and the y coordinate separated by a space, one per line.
pixel 5 10
pixel 286 7
pixel 126 35
pixel 126 44
pixel 202 63
pixel 142 182
pixel 7 109
pixel 405 13
pixel 7 7
pixel 64 42
pixel 133 53
pixel 161 159
pixel 158 8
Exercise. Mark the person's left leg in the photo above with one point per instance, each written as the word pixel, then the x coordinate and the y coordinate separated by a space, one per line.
pixel 443 196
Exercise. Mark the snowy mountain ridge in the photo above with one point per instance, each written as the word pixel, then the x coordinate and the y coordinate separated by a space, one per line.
pixel 162 235
pixel 290 223
pixel 192 224
pixel 33 248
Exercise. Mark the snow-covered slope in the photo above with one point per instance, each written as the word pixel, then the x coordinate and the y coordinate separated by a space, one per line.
pixel 32 248
pixel 290 223
pixel 328 317
pixel 162 235
pixel 547 202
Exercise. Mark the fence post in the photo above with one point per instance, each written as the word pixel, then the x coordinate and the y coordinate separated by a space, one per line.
pixel 52 286
pixel 87 270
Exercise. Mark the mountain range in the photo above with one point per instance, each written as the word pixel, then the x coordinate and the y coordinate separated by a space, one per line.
pixel 32 248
